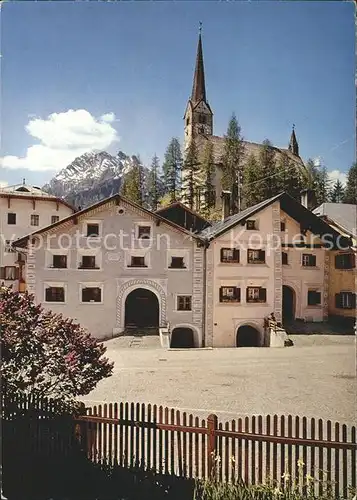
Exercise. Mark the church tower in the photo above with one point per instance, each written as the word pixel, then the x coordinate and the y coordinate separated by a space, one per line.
pixel 198 115
pixel 293 144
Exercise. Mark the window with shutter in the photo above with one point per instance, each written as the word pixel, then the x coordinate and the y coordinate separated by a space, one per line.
pixel 2 273
pixel 11 273
pixel 338 300
pixel 347 300
pixel 345 261
pixel 308 260
pixel 230 255
pixel 256 294
pixel 256 256
pixel 229 294
pixel 184 303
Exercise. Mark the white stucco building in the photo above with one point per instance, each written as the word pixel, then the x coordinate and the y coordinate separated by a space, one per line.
pixel 24 209
pixel 117 268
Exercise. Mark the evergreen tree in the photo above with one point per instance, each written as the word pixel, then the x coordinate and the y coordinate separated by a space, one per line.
pixel 253 188
pixel 132 185
pixel 207 174
pixel 288 177
pixel 268 168
pixel 309 180
pixel 323 185
pixel 154 191
pixel 337 192
pixel 190 170
pixel 172 169
pixel 350 195
pixel 232 162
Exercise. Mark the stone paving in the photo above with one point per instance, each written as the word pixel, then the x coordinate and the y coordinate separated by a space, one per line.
pixel 316 378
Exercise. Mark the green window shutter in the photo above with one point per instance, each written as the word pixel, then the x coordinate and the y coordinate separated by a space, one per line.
pixel 263 294
pixel 338 300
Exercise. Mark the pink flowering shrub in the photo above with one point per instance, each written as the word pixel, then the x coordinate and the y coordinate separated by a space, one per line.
pixel 46 354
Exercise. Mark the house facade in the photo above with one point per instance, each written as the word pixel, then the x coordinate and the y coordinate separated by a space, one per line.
pixel 115 268
pixel 342 263
pixel 272 258
pixel 24 208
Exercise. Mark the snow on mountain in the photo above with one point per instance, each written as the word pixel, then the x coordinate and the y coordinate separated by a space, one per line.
pixel 92 177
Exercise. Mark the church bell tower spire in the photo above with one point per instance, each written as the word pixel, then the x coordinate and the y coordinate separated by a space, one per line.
pixel 198 116
pixel 199 87
pixel 293 144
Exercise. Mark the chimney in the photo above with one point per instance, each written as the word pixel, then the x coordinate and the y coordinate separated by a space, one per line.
pixel 226 204
pixel 308 199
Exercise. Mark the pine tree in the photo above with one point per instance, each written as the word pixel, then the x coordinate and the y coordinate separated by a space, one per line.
pixel 253 188
pixel 268 168
pixel 350 195
pixel 132 185
pixel 190 170
pixel 323 185
pixel 207 175
pixel 288 177
pixel 154 191
pixel 337 192
pixel 232 162
pixel 172 169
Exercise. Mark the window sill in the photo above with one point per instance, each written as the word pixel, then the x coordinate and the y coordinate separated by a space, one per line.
pixel 91 302
pixel 177 268
pixel 88 268
pixel 54 302
pixel 315 306
pixel 257 302
pixel 310 267
pixel 229 263
pixel 137 267
pixel 230 302
pixel 345 268
pixel 257 264
pixel 57 268
pixel 183 310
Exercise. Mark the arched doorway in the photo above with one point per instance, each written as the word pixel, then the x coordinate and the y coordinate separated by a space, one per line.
pixel 248 336
pixel 288 303
pixel 142 310
pixel 182 337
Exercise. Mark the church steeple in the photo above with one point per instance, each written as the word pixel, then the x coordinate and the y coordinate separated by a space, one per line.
pixel 198 115
pixel 293 144
pixel 199 87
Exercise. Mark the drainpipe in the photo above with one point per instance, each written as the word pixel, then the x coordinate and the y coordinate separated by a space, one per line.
pixel 206 245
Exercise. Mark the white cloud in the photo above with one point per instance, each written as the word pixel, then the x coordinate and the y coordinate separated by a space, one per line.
pixel 3 184
pixel 62 137
pixel 337 175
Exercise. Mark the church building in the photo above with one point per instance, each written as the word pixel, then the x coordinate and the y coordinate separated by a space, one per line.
pixel 199 125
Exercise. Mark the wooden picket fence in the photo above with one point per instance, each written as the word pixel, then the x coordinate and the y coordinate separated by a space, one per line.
pixel 257 449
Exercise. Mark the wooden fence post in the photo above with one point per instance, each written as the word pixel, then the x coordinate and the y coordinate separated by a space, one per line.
pixel 212 423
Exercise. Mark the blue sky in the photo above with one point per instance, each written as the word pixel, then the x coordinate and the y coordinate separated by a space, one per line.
pixel 129 65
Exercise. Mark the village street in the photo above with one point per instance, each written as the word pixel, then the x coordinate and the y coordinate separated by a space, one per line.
pixel 316 378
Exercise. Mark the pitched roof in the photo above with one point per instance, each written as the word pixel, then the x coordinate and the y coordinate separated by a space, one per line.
pixel 288 204
pixel 250 148
pixel 27 192
pixel 343 214
pixel 23 240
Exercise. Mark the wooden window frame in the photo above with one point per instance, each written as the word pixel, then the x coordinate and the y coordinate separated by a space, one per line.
pixel 55 257
pixel 184 302
pixel 339 300
pixel 56 217
pixel 235 298
pixel 262 295
pixel 55 288
pixel 9 215
pixel 235 255
pixel 34 220
pixel 342 262
pixel 88 266
pixel 310 298
pixel 133 257
pixel 261 259
pixel 86 289
pixel 306 261
pixel 92 225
